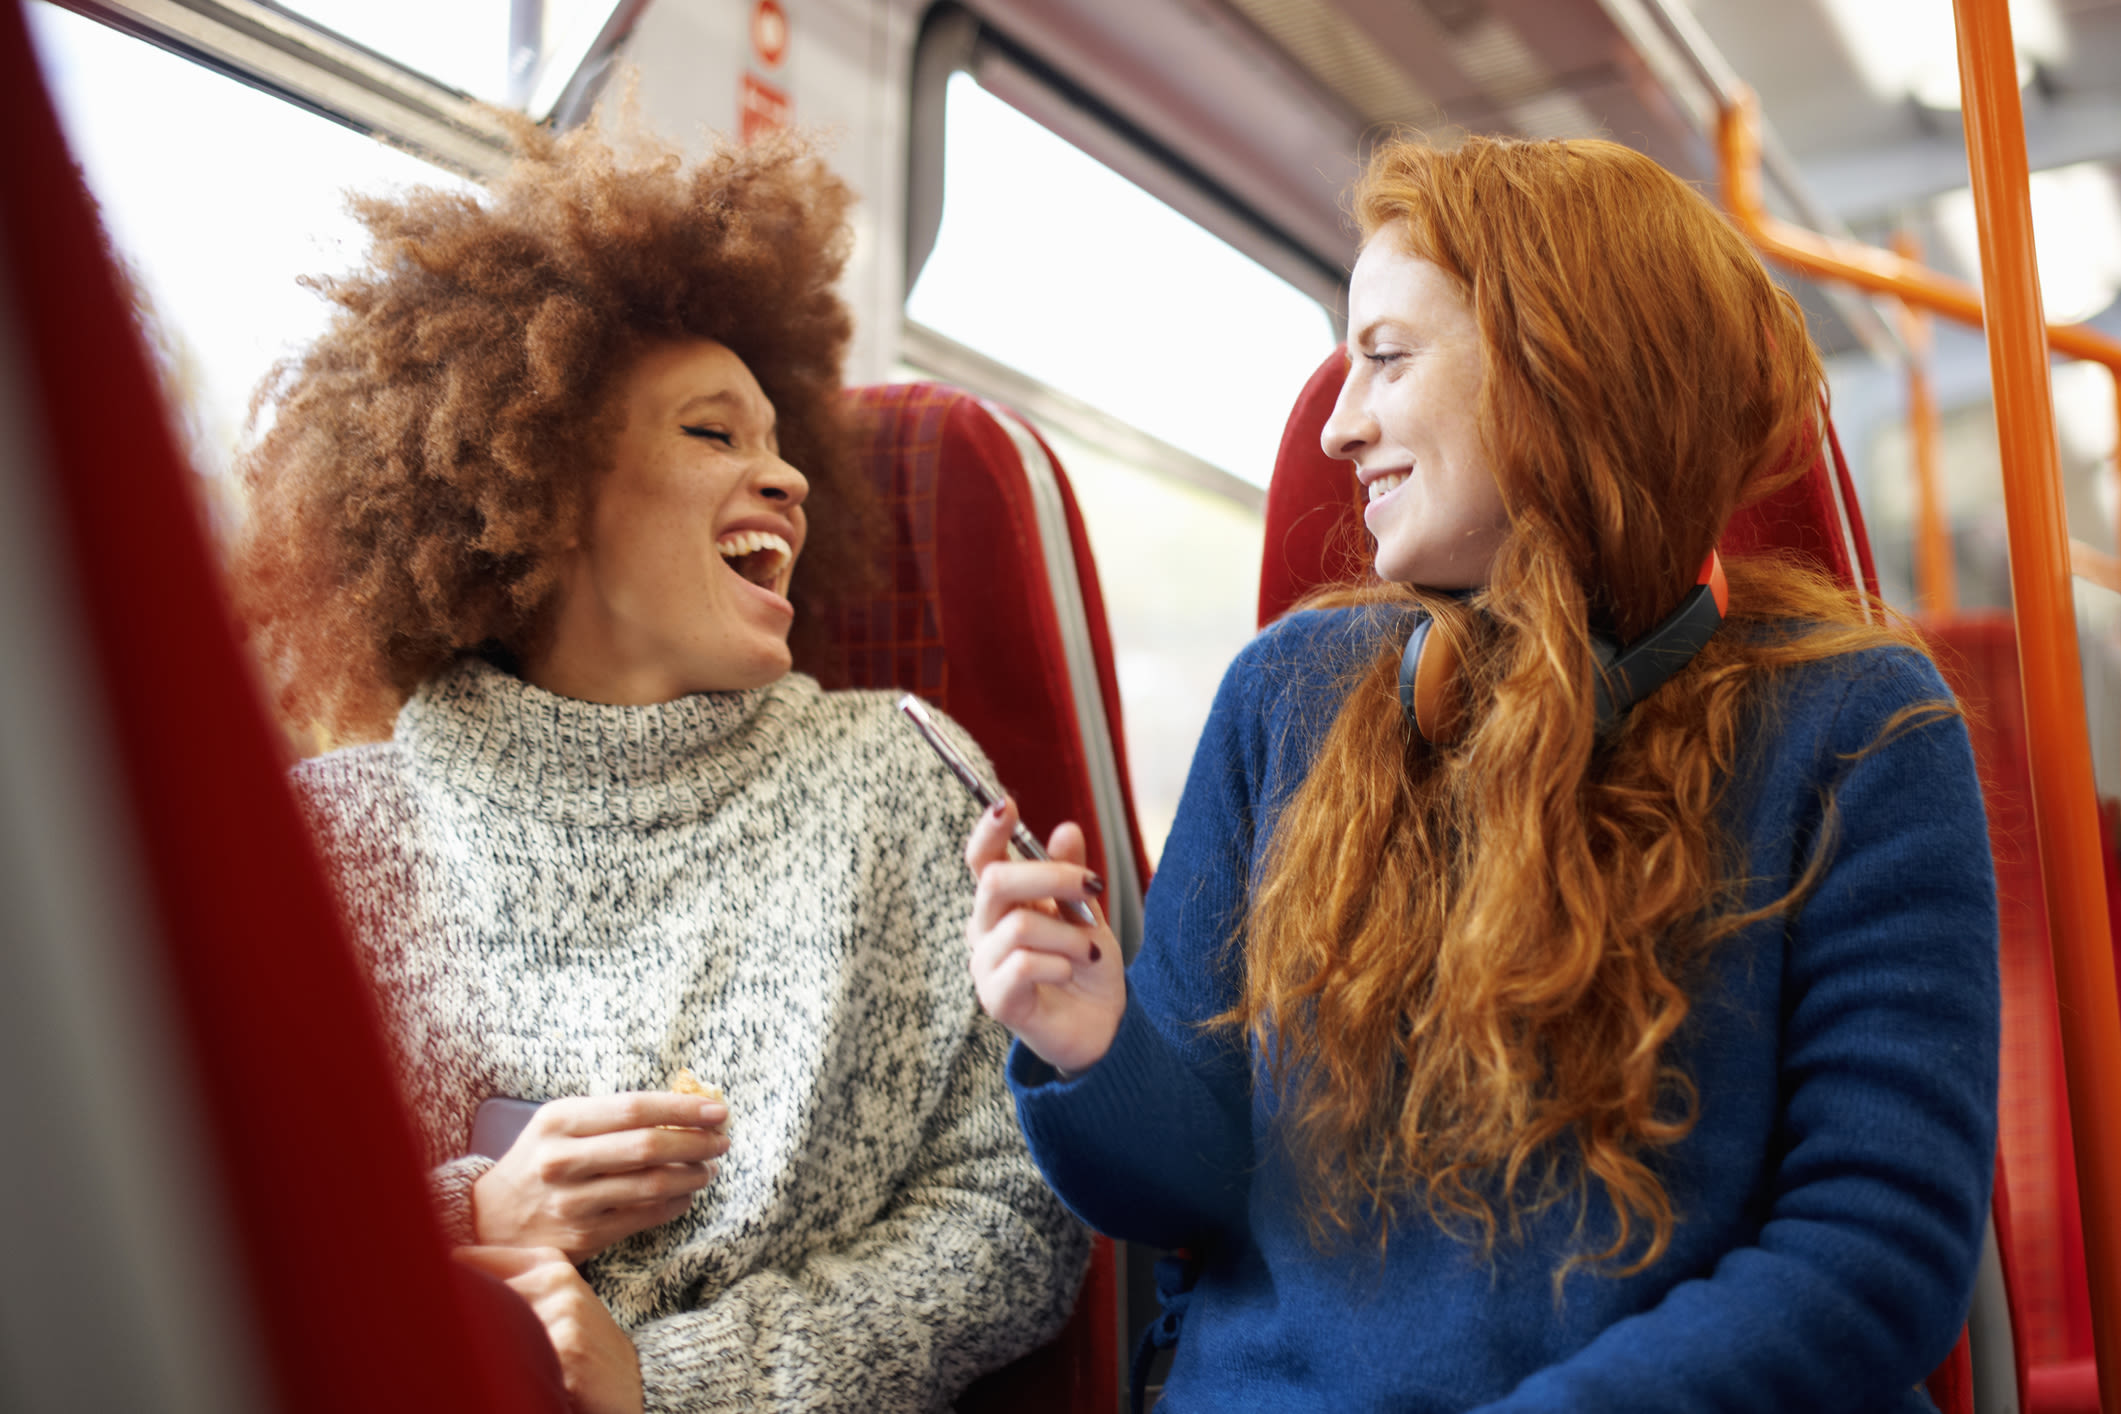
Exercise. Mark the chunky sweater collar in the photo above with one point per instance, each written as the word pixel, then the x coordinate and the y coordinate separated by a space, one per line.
pixel 483 731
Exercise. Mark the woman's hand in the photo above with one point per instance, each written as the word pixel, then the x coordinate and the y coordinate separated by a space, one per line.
pixel 1058 986
pixel 601 1368
pixel 589 1170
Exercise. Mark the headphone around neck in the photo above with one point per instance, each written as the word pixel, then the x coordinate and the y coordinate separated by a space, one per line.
pixel 1432 692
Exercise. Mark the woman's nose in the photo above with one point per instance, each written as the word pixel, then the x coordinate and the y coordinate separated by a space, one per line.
pixel 1350 428
pixel 782 484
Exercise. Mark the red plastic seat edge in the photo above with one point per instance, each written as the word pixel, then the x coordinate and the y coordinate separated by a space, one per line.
pixel 353 1311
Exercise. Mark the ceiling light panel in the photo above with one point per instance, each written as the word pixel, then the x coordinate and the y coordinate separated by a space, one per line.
pixel 2076 237
pixel 1910 48
pixel 1341 57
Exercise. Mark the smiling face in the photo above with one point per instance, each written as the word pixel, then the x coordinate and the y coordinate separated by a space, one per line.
pixel 1408 418
pixel 678 582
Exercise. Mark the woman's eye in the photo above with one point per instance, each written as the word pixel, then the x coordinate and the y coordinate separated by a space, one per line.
pixel 1383 360
pixel 713 434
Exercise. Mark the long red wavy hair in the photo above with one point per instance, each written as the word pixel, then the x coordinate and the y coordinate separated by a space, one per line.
pixel 1467 965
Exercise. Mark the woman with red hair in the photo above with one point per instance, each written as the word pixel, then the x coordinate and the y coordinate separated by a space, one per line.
pixel 1570 983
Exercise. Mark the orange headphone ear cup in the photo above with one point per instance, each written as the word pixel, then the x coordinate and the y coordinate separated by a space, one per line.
pixel 1431 692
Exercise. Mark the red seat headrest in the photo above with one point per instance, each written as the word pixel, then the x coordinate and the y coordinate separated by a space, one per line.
pixel 1315 535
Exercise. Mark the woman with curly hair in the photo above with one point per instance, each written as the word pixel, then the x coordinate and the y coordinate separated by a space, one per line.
pixel 532 508
pixel 1521 1034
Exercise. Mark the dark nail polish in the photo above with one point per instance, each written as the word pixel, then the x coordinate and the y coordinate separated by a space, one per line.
pixel 998 809
pixel 1093 886
pixel 1096 953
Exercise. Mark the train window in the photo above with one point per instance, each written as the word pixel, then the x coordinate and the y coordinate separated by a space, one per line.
pixel 1870 411
pixel 1161 363
pixel 217 216
pixel 518 52
pixel 1059 267
pixel 465 44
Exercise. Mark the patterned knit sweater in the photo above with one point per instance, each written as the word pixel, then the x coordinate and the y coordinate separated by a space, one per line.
pixel 562 898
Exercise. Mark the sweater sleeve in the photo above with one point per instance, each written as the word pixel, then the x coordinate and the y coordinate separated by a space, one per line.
pixel 973 1264
pixel 1154 1142
pixel 449 1188
pixel 1857 1282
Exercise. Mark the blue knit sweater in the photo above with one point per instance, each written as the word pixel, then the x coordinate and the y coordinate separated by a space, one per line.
pixel 1831 1198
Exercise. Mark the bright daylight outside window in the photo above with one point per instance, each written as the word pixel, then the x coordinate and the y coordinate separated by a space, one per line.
pixel 217 215
pixel 519 52
pixel 1055 265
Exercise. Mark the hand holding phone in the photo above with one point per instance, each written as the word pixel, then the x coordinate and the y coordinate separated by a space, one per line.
pixel 1025 843
pixel 1054 979
pixel 583 1172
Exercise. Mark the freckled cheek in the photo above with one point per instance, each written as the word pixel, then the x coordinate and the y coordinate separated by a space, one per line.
pixel 667 554
pixel 680 524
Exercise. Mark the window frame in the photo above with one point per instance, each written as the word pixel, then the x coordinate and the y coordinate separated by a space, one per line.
pixel 293 58
pixel 953 39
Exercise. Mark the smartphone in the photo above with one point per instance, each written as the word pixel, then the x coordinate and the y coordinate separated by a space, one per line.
pixel 1025 842
pixel 499 1120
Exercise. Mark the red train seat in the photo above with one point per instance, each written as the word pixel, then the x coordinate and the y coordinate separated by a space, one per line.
pixel 2050 1298
pixel 1315 535
pixel 222 1207
pixel 994 614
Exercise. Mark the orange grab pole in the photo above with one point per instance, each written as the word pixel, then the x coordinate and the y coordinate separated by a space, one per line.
pixel 2065 813
pixel 1936 577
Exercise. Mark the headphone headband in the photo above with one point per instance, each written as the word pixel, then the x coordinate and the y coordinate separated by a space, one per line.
pixel 1434 702
pixel 1632 673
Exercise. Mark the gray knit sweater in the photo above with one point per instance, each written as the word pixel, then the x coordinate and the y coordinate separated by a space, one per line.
pixel 561 898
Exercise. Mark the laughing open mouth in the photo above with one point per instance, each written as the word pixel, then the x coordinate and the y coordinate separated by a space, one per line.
pixel 757 555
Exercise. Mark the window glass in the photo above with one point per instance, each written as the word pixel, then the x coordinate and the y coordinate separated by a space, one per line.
pixel 1051 263
pixel 492 49
pixel 217 215
pixel 463 44
pixel 1180 572
pixel 1054 264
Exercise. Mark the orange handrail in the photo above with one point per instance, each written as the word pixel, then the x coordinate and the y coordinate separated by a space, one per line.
pixel 1853 263
pixel 2065 812
pixel 1881 272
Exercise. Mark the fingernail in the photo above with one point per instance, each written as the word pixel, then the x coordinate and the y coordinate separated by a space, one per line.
pixel 1092 885
pixel 1096 953
pixel 1000 809
pixel 713 1114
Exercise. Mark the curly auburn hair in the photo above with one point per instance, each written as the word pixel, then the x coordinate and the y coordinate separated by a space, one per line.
pixel 429 456
pixel 1468 964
